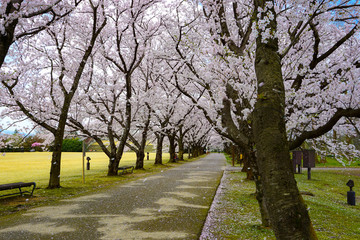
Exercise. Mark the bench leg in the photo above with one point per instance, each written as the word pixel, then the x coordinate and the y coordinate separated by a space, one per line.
pixel 33 189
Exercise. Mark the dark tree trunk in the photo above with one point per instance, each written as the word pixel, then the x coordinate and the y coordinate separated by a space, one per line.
pixel 237 159
pixel 182 134
pixel 171 138
pixel 248 168
pixel 6 40
pixel 113 165
pixel 237 155
pixel 54 180
pixel 159 145
pixel 195 151
pixel 288 214
pixel 181 149
pixel 115 158
pixel 7 37
pixel 140 155
pixel 251 159
pixel 190 152
pixel 117 151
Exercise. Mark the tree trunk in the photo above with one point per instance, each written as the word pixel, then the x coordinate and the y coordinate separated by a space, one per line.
pixel 54 180
pixel 159 143
pixel 288 214
pixel 116 155
pixel 197 151
pixel 265 218
pixel 171 138
pixel 248 168
pixel 237 155
pixel 140 155
pixel 113 165
pixel 251 159
pixel 7 37
pixel 194 151
pixel 181 148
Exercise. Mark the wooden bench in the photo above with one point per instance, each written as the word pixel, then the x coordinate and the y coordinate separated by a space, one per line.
pixel 18 185
pixel 125 169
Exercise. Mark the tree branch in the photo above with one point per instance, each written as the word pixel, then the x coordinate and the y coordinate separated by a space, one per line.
pixel 325 128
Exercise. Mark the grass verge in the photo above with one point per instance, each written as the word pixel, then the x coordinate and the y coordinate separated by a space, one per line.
pixel 331 216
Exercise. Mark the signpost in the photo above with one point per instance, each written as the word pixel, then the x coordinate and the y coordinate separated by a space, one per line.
pixel 351 194
pixel 85 144
pixel 297 156
pixel 309 160
pixel 83 161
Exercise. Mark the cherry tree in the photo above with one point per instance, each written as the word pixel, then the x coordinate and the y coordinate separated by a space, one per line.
pixel 165 107
pixel 108 98
pixel 235 29
pixel 20 19
pixel 143 96
pixel 198 136
pixel 172 118
pixel 272 146
pixel 170 113
pixel 43 80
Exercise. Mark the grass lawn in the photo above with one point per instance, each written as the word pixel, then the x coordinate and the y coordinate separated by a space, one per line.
pixel 332 162
pixel 35 167
pixel 23 167
pixel 331 216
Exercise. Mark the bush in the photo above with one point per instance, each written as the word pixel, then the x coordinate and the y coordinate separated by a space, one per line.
pixel 72 145
pixel 14 149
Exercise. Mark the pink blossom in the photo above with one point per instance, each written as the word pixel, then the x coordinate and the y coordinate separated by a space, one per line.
pixel 35 144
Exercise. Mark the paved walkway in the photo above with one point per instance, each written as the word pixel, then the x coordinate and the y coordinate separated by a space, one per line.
pixel 169 205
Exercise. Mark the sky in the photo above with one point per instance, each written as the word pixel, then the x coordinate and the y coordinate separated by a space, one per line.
pixel 5 121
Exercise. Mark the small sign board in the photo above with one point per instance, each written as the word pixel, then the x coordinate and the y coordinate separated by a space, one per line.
pixel 296 157
pixel 309 157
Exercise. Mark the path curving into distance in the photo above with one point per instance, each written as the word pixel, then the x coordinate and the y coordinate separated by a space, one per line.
pixel 169 205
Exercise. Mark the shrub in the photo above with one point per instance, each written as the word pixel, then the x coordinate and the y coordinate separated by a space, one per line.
pixel 72 145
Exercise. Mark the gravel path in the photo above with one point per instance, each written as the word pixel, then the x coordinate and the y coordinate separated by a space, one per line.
pixel 169 205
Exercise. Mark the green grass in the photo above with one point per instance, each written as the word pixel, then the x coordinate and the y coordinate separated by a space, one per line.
pixel 332 162
pixel 242 218
pixel 15 167
pixel 35 167
pixel 331 216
